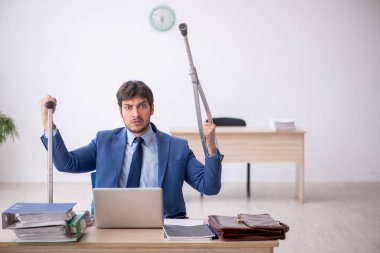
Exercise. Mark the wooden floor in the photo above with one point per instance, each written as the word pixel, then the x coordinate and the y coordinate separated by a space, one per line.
pixel 336 217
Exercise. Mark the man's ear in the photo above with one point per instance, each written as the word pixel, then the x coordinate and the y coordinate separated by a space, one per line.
pixel 121 113
pixel 152 110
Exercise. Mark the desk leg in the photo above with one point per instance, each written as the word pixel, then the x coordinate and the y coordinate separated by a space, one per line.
pixel 248 179
pixel 300 182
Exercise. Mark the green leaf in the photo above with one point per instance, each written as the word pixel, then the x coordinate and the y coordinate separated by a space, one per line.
pixel 7 128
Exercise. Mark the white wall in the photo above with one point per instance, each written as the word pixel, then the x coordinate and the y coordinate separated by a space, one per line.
pixel 317 62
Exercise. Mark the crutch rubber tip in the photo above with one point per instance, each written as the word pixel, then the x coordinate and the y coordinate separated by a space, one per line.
pixel 183 28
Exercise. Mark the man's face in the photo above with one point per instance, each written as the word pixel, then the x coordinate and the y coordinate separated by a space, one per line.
pixel 136 114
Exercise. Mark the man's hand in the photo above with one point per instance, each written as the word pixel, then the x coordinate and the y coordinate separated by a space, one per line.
pixel 44 110
pixel 209 131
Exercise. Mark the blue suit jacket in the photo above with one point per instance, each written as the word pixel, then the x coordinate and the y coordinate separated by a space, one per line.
pixel 176 164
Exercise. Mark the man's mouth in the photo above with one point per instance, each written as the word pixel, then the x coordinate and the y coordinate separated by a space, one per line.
pixel 136 121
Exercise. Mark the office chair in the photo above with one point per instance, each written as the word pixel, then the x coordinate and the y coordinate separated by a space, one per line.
pixel 93 180
pixel 231 122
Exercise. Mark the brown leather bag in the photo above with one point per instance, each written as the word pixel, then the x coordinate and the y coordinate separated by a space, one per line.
pixel 247 227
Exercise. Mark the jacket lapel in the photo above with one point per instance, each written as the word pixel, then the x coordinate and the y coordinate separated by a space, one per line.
pixel 119 143
pixel 163 155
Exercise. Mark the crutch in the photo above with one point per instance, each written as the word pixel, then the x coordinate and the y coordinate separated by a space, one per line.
pixel 198 92
pixel 50 105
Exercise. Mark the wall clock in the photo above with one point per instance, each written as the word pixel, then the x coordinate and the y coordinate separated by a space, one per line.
pixel 162 18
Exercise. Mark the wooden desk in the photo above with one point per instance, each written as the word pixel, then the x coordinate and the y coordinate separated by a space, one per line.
pixel 133 240
pixel 242 144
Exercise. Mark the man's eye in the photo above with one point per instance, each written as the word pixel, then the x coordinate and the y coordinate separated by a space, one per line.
pixel 127 107
pixel 143 106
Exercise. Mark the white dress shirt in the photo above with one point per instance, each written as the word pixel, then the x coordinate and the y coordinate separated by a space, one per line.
pixel 149 170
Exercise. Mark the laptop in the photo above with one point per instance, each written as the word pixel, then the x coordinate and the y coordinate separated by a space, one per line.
pixel 128 207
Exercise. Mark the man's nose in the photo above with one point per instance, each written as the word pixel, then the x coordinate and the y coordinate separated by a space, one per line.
pixel 135 112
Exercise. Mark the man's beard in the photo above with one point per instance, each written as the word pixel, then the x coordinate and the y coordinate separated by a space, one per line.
pixel 137 131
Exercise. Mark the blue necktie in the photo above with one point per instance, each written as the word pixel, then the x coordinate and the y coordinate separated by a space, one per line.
pixel 136 164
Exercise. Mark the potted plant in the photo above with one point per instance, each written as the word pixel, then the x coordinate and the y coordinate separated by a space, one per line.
pixel 7 128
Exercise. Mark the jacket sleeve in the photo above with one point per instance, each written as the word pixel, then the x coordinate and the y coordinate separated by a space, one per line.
pixel 77 161
pixel 205 178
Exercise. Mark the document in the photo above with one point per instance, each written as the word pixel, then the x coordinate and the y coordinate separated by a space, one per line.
pixel 283 125
pixel 37 214
pixel 188 232
pixel 45 222
pixel 70 232
pixel 184 222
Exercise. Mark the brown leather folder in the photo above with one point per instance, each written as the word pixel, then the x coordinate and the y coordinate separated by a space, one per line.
pixel 247 227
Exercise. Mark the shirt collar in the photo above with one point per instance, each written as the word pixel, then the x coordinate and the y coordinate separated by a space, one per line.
pixel 147 136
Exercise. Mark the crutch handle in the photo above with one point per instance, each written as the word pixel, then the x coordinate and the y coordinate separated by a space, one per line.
pixel 49 104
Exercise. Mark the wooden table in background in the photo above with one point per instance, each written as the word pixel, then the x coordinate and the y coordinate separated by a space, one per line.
pixel 133 240
pixel 247 145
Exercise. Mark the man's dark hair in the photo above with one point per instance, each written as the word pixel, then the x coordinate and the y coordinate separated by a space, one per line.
pixel 132 89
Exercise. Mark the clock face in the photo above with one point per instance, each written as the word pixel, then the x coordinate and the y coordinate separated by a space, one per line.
pixel 162 18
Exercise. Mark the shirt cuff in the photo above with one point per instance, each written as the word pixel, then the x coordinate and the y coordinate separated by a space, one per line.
pixel 216 155
pixel 55 131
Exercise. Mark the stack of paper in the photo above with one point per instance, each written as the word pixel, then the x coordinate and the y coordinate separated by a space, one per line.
pixel 187 229
pixel 283 125
pixel 43 222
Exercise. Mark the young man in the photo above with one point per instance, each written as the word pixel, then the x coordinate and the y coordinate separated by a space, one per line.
pixel 139 155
